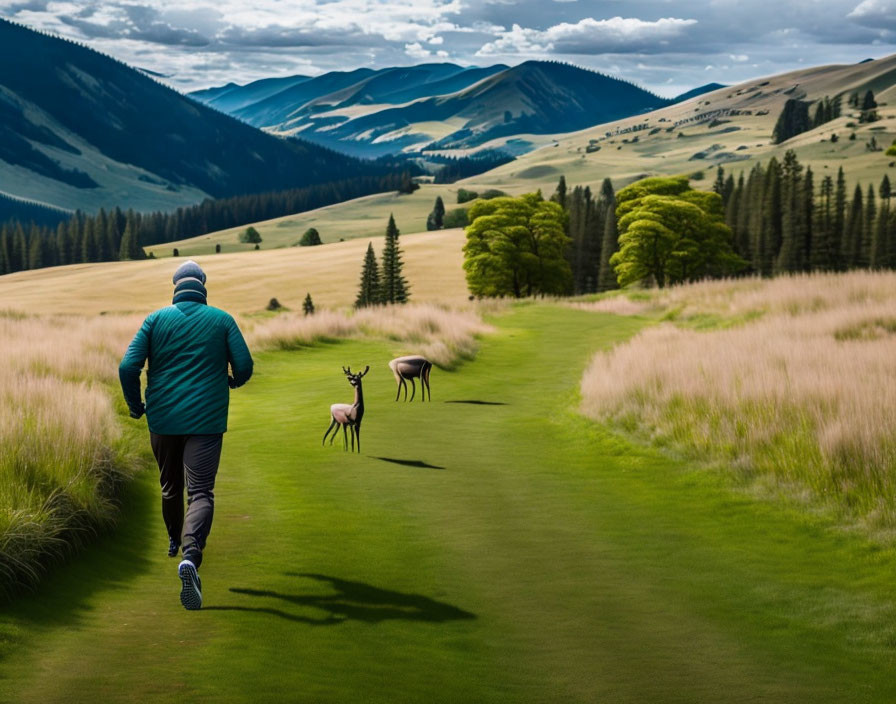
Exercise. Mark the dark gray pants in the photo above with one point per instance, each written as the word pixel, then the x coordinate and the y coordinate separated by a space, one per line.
pixel 191 460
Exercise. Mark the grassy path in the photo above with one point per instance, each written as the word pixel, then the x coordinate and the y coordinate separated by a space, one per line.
pixel 499 551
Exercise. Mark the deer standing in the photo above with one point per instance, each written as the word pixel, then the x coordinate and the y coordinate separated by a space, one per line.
pixel 411 367
pixel 348 415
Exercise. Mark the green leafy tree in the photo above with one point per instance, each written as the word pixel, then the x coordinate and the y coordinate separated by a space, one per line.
pixel 455 218
pixel 311 238
pixel 516 247
pixel 669 233
pixel 464 196
pixel 250 236
pixel 308 305
pixel 394 287
pixel 369 290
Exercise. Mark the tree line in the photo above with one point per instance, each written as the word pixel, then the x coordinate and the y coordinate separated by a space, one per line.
pixel 782 224
pixel 117 234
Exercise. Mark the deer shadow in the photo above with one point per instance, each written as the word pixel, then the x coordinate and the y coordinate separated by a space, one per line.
pixel 409 463
pixel 351 601
pixel 476 402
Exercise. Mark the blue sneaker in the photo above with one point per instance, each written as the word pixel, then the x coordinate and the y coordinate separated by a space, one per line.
pixel 191 593
pixel 173 547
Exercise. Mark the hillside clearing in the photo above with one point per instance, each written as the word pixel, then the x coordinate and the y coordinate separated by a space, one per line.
pixel 242 282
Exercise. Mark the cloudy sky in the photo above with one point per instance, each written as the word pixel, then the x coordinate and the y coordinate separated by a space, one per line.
pixel 660 44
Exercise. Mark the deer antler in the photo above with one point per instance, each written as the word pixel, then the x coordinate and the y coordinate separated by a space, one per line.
pixel 347 371
pixel 366 369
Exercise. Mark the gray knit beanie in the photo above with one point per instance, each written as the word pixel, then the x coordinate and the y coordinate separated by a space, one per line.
pixel 189 270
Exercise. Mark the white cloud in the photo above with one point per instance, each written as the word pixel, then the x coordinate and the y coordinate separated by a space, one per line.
pixel 877 14
pixel 739 57
pixel 590 36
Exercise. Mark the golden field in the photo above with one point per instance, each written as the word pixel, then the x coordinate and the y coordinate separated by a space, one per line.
pixel 791 381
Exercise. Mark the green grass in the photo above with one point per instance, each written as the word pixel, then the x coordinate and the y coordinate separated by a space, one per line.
pixel 472 552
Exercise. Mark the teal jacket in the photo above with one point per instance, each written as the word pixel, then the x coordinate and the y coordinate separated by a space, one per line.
pixel 189 346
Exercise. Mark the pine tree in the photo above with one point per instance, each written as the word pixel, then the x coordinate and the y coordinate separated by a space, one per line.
pixel 806 220
pixel 112 244
pixel 308 305
pixel 36 251
pixel 130 248
pixel 606 278
pixel 394 286
pixel 19 259
pixel 560 194
pixel 788 258
pixel 369 292
pixel 837 238
pixel 868 221
pixel 435 221
pixel 719 185
pixel 4 250
pixel 577 216
pixel 820 257
pixel 767 240
pixel 852 235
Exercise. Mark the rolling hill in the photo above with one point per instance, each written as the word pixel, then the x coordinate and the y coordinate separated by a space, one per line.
pixel 438 106
pixel 730 126
pixel 80 130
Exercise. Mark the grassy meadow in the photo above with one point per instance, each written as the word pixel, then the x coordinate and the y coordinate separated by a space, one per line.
pixel 63 452
pixel 540 558
pixel 789 383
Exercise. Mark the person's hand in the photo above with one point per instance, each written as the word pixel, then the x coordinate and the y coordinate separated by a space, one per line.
pixel 139 412
pixel 231 382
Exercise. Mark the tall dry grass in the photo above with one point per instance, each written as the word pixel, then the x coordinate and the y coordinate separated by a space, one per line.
pixel 62 450
pixel 444 335
pixel 800 396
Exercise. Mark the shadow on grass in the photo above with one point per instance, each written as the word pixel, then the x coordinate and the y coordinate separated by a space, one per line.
pixel 476 402
pixel 111 561
pixel 353 601
pixel 409 463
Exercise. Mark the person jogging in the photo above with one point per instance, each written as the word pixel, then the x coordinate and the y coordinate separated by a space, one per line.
pixel 189 345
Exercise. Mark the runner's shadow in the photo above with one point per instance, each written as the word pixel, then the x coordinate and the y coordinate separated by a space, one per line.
pixel 410 463
pixel 476 402
pixel 353 601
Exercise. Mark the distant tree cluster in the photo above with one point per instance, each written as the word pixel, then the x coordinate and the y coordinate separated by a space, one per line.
pixel 794 118
pixel 591 227
pixel 94 238
pixel 866 105
pixel 105 237
pixel 457 168
pixel 782 224
pixel 386 283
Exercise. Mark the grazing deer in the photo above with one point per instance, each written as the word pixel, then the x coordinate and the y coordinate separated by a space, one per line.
pixel 348 415
pixel 411 367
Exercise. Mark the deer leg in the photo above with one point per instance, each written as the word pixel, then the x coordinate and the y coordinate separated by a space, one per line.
pixel 404 383
pixel 424 382
pixel 398 390
pixel 344 438
pixel 323 442
pixel 413 388
pixel 351 431
pixel 358 433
